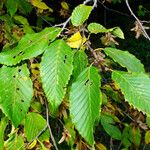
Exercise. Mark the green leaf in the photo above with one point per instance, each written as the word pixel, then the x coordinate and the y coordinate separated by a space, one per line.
pixel 109 126
pixel 136 89
pixel 34 123
pixel 12 6
pixel 117 32
pixel 96 28
pixel 85 101
pixel 24 6
pixel 3 124
pixel 80 63
pixel 15 142
pixel 126 137
pixel 15 92
pixel 136 136
pixel 80 14
pixel 55 69
pixel 125 59
pixel 31 45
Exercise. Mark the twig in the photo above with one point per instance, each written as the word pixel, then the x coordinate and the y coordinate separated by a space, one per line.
pixel 64 24
pixel 139 22
pixel 35 138
pixel 113 10
pixel 48 125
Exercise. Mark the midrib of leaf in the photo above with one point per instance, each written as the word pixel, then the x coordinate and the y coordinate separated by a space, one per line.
pixel 133 89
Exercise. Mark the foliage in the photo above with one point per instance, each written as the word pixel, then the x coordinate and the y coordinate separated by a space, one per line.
pixel 52 77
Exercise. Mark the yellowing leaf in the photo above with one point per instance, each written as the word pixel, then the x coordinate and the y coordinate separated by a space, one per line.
pixel 32 145
pixel 100 146
pixel 147 137
pixel 76 40
pixel 64 5
pixel 40 5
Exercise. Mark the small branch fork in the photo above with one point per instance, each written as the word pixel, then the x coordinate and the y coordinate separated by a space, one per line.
pixel 44 129
pixel 139 22
pixel 64 24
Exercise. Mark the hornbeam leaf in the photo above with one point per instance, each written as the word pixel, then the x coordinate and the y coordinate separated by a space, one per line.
pixel 80 62
pixel 31 45
pixel 15 92
pixel 85 100
pixel 3 124
pixel 80 14
pixel 136 89
pixel 34 123
pixel 125 59
pixel 56 68
pixel 15 142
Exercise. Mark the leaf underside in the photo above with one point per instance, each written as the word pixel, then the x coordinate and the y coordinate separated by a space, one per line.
pixel 125 59
pixel 136 89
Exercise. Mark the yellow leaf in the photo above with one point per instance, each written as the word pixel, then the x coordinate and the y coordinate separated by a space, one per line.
pixel 40 5
pixel 100 146
pixel 76 40
pixel 32 145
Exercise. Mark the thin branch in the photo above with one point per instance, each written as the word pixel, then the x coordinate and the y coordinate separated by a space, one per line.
pixel 113 10
pixel 139 22
pixel 48 125
pixel 35 138
pixel 64 24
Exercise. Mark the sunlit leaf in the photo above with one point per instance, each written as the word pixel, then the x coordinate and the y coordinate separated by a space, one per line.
pixel 85 100
pixel 76 40
pixel 41 5
pixel 80 14
pixel 97 28
pixel 55 69
pixel 31 45
pixel 15 92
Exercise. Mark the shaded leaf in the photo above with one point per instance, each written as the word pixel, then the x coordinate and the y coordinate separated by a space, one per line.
pixel 55 69
pixel 31 45
pixel 15 142
pixel 80 14
pixel 147 137
pixel 80 63
pixel 109 126
pixel 15 92
pixel 34 123
pixel 12 6
pixel 125 59
pixel 3 124
pixel 135 88
pixel 85 100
